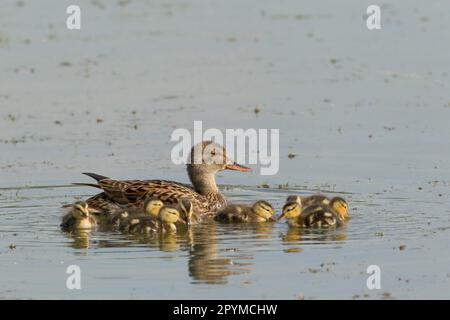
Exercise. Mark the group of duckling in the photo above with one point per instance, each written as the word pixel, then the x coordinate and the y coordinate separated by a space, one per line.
pixel 155 217
pixel 149 206
pixel 316 211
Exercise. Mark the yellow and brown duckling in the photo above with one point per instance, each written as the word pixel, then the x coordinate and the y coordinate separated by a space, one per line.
pixel 168 217
pixel 187 213
pixel 318 215
pixel 151 209
pixel 309 200
pixel 79 217
pixel 260 211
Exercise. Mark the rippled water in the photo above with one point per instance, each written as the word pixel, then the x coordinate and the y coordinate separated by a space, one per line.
pixel 363 115
pixel 214 260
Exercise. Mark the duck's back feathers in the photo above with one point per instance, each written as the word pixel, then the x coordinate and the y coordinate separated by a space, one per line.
pixel 233 213
pixel 102 205
pixel 142 224
pixel 134 193
pixel 319 216
pixel 239 213
pixel 316 199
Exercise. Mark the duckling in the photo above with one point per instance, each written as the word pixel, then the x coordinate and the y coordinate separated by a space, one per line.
pixel 340 206
pixel 260 211
pixel 79 217
pixel 309 200
pixel 316 215
pixel 152 206
pixel 292 211
pixel 143 224
pixel 186 210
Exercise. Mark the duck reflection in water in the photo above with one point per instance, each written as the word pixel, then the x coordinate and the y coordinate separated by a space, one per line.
pixel 210 264
pixel 81 238
pixel 296 236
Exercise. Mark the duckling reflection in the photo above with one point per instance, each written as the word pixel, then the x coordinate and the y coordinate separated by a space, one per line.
pixel 168 242
pixel 303 236
pixel 205 263
pixel 81 238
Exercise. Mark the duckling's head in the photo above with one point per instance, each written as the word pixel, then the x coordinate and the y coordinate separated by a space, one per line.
pixel 294 198
pixel 169 215
pixel 186 210
pixel 291 210
pixel 152 207
pixel 80 210
pixel 263 209
pixel 208 157
pixel 340 206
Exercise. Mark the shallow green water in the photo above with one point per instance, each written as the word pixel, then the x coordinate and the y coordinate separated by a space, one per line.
pixel 365 113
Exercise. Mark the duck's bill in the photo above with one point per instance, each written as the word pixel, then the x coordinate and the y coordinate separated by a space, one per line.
pixel 281 216
pixel 237 167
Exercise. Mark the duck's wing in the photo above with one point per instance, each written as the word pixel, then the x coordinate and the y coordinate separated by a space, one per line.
pixel 134 192
pixel 102 205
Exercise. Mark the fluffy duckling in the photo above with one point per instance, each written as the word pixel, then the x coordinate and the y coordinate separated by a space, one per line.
pixel 152 207
pixel 340 206
pixel 186 210
pixel 143 224
pixel 309 200
pixel 316 215
pixel 79 217
pixel 260 211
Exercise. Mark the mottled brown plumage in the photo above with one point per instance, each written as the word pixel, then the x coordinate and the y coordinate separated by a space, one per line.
pixel 145 224
pixel 260 211
pixel 206 159
pixel 307 201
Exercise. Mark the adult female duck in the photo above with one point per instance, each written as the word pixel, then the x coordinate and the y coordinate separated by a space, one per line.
pixel 206 159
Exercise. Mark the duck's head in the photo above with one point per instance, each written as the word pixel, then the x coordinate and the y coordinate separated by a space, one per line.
pixel 340 206
pixel 208 157
pixel 291 210
pixel 186 210
pixel 294 198
pixel 80 210
pixel 263 209
pixel 169 215
pixel 152 207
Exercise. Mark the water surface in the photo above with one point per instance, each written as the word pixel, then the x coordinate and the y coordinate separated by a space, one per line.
pixel 365 113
